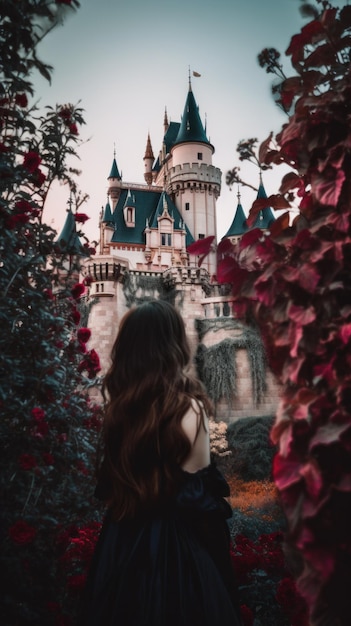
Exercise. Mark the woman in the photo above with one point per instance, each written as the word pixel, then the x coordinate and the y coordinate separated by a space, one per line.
pixel 162 558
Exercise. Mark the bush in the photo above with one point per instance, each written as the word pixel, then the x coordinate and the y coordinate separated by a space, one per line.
pixel 251 449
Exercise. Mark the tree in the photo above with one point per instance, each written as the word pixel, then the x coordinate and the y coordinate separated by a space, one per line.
pixel 296 282
pixel 48 424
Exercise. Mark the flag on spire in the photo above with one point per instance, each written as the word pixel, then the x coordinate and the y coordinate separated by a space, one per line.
pixel 196 74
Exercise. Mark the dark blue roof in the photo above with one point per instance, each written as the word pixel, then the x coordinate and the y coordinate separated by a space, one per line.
pixel 145 205
pixel 265 217
pixel 171 135
pixel 191 128
pixel 107 217
pixel 68 240
pixel 238 225
pixel 179 223
pixel 148 206
pixel 114 173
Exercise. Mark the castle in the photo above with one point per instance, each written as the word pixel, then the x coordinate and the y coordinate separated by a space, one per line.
pixel 144 233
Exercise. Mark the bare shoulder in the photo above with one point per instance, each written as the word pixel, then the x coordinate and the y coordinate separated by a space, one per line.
pixel 194 419
pixel 196 427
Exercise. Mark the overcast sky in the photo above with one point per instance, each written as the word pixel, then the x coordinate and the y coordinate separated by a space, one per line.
pixel 127 60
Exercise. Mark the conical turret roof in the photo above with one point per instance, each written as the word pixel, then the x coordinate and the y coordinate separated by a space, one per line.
pixel 114 173
pixel 68 239
pixel 238 225
pixel 265 216
pixel 191 127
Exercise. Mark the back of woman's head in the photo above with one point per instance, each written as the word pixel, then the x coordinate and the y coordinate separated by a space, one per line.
pixel 151 346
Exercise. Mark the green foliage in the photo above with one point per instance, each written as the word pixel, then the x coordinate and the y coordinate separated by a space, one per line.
pixel 48 425
pixel 299 294
pixel 251 449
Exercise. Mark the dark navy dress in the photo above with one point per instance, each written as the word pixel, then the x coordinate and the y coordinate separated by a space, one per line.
pixel 167 568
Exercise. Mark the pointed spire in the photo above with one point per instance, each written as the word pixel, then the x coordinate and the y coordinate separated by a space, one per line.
pixel 165 122
pixel 148 151
pixel 191 128
pixel 238 226
pixel 114 173
pixel 265 216
pixel 68 239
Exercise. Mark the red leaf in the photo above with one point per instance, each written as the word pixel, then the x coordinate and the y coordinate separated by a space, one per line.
pixel 264 147
pixel 301 315
pixel 345 333
pixel 250 238
pixel 229 271
pixel 313 478
pixel 328 434
pixel 295 335
pixel 286 471
pixel 323 55
pixel 290 181
pixel 280 224
pixel 327 191
pixel 201 246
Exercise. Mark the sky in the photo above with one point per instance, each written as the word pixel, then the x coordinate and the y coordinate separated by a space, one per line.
pixel 125 61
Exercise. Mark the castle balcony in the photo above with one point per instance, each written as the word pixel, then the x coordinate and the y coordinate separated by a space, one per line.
pixel 103 277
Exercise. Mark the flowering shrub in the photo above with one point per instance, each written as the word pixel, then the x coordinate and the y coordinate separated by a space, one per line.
pixel 295 281
pixel 267 592
pixel 48 425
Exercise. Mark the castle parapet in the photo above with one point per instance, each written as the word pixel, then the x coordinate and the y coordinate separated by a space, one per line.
pixel 189 275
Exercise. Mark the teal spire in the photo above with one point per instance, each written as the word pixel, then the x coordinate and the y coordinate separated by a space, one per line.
pixel 68 240
pixel 265 216
pixel 107 216
pixel 191 128
pixel 238 226
pixel 114 170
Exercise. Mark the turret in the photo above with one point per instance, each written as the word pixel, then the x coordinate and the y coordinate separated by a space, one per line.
pixel 148 160
pixel 114 183
pixel 239 225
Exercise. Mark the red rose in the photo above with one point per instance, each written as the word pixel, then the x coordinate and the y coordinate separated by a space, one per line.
pixel 65 112
pixel 40 178
pixel 41 429
pixel 21 100
pixel 77 290
pixel 27 461
pixel 75 316
pixel 48 458
pixel 22 533
pixel 38 414
pixel 31 161
pixel 81 217
pixel 247 615
pixel 84 335
pixel 88 280
pixel 73 129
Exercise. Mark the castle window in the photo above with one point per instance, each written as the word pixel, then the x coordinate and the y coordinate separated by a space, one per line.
pixel 187 206
pixel 201 236
pixel 199 156
pixel 166 239
pixel 129 214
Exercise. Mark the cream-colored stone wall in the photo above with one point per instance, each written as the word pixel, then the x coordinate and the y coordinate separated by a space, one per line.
pixel 190 299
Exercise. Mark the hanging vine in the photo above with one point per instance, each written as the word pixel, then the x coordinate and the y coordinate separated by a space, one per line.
pixel 138 288
pixel 217 366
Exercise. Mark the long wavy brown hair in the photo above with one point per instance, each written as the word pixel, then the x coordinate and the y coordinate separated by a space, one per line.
pixel 147 391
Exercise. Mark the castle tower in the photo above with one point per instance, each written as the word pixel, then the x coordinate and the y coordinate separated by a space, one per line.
pixel 191 180
pixel 114 183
